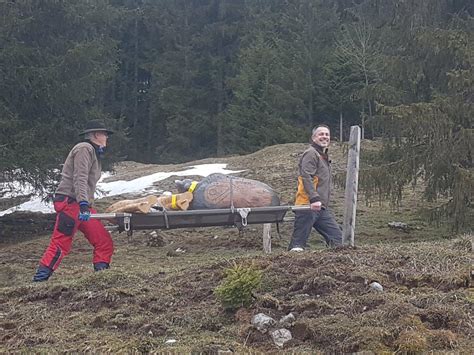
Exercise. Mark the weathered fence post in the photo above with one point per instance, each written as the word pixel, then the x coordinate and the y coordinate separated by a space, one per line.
pixel 352 180
pixel 267 238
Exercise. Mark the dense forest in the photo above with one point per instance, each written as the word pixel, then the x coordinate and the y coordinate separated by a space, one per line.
pixel 185 79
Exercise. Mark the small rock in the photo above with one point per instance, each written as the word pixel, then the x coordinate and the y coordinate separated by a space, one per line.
pixel 281 337
pixel 399 225
pixel 155 240
pixel 376 286
pixel 262 322
pixel 287 320
pixel 170 341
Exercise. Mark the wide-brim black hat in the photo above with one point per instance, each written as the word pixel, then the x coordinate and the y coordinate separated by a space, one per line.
pixel 95 126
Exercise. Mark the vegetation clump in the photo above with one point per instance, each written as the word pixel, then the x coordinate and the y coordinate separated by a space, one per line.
pixel 412 342
pixel 236 289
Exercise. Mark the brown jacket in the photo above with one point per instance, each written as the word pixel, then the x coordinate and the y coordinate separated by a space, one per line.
pixel 314 180
pixel 80 174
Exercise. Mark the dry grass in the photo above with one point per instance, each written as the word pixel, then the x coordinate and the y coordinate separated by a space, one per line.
pixel 148 298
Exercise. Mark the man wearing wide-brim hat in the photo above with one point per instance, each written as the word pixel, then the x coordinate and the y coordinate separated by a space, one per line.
pixel 73 201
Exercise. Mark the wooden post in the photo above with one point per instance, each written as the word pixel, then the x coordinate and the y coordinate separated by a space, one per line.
pixel 267 238
pixel 352 180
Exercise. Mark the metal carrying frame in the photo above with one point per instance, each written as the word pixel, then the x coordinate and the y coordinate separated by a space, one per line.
pixel 165 219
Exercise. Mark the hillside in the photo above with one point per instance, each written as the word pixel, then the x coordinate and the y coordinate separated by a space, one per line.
pixel 154 294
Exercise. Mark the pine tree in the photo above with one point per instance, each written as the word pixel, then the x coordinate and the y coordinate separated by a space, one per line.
pixel 56 69
pixel 430 135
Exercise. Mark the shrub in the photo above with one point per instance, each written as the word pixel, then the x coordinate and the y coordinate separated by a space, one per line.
pixel 237 286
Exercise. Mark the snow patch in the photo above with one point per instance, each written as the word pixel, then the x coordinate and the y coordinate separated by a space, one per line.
pixel 141 184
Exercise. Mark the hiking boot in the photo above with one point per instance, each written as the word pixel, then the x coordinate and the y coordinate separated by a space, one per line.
pixel 101 266
pixel 42 274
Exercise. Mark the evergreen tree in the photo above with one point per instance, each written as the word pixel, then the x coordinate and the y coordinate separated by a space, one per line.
pixel 55 68
pixel 430 135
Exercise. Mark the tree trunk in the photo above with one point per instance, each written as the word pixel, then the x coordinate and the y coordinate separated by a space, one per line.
pixel 135 74
pixel 220 79
pixel 186 75
pixel 151 115
pixel 341 136
pixel 368 102
pixel 310 101
pixel 123 98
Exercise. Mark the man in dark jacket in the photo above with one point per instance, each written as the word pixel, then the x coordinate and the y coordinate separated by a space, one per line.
pixel 73 201
pixel 314 188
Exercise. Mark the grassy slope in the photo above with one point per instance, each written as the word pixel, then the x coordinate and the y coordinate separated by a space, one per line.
pixel 153 294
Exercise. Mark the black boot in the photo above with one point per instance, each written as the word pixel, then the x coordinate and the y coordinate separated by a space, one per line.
pixel 101 266
pixel 42 274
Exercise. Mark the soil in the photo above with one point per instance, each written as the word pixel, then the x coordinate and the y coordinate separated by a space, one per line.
pixel 161 284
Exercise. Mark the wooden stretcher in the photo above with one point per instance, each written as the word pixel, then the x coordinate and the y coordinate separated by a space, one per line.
pixel 165 219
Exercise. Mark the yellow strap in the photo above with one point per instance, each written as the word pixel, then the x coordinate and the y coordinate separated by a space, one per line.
pixel 173 202
pixel 193 186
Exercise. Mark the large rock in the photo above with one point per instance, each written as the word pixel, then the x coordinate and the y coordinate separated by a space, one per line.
pixel 281 337
pixel 224 191
pixel 262 322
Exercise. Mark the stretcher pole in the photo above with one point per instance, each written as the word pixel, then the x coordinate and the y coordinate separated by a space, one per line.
pixel 110 215
pixel 124 220
pixel 125 214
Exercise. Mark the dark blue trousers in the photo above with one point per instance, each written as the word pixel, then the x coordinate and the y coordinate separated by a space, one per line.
pixel 324 223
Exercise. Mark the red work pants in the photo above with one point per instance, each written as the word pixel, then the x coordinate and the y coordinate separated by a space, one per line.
pixel 67 224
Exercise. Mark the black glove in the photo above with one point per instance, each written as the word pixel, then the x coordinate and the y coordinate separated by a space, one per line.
pixel 84 213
